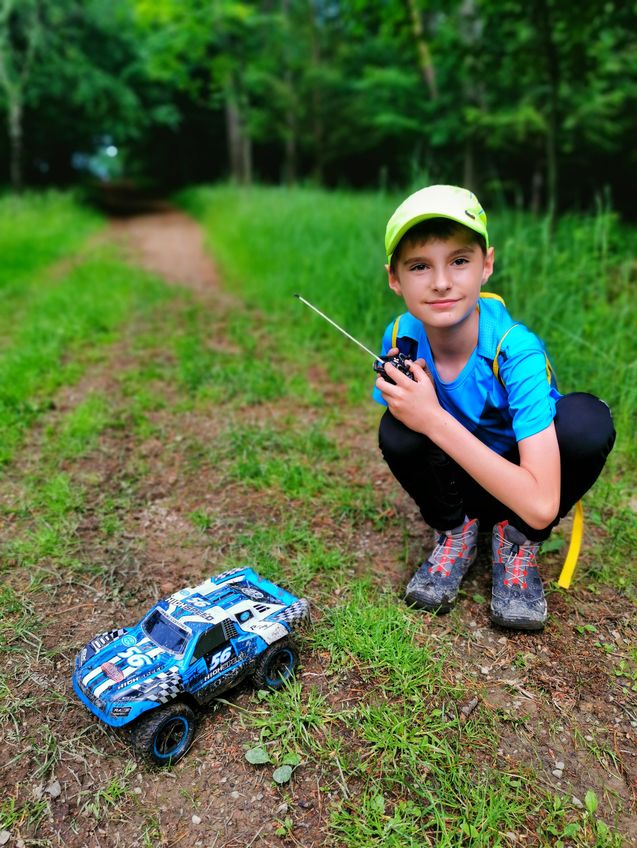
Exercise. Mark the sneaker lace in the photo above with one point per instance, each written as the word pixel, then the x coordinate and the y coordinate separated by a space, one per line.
pixel 448 549
pixel 517 563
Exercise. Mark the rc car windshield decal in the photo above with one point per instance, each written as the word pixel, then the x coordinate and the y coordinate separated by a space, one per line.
pixel 165 632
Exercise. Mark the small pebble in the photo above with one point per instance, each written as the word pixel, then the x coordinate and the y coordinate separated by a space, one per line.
pixel 485 669
pixel 5 836
pixel 54 789
pixel 235 794
pixel 281 809
pixel 559 765
pixel 576 802
pixel 196 820
pixel 137 790
pixel 557 773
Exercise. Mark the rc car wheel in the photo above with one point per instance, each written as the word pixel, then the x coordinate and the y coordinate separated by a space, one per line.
pixel 276 665
pixel 164 735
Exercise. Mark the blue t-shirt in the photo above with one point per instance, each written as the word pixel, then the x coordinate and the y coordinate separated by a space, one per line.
pixel 499 415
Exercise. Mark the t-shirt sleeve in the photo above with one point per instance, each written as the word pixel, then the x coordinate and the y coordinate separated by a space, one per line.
pixel 530 397
pixel 385 346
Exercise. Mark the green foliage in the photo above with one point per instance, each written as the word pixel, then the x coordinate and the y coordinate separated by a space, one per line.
pixel 85 305
pixel 37 230
pixel 288 550
pixel 522 99
pixel 380 638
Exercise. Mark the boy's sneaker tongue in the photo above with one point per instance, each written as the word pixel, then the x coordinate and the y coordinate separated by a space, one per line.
pixel 436 583
pixel 517 596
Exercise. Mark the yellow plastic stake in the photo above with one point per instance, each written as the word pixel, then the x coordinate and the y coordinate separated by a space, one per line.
pixel 568 569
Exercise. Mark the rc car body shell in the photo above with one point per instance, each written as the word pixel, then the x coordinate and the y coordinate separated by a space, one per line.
pixel 195 644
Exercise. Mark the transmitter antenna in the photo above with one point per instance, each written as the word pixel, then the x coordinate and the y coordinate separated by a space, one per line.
pixel 340 329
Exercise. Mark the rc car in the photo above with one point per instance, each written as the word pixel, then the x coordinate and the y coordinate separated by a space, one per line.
pixel 188 649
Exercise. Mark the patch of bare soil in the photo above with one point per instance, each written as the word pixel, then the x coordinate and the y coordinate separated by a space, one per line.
pixel 170 244
pixel 561 710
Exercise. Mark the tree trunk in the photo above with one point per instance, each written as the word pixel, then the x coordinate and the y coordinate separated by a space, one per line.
pixel 553 73
pixel 469 177
pixel 289 164
pixel 233 134
pixel 19 38
pixel 16 142
pixel 290 142
pixel 318 127
pixel 424 54
pixel 246 156
pixel 238 140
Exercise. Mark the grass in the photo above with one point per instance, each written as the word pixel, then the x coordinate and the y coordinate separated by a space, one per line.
pixel 37 232
pixel 376 718
pixel 289 551
pixel 85 307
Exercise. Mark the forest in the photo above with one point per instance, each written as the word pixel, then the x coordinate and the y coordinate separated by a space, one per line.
pixel 533 104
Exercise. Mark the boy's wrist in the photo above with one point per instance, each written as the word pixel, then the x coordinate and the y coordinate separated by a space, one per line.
pixel 436 424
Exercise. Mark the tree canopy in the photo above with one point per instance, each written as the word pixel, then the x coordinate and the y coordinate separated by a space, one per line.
pixel 535 100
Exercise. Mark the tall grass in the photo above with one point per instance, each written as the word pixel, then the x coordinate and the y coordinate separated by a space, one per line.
pixel 37 229
pixel 47 318
pixel 574 286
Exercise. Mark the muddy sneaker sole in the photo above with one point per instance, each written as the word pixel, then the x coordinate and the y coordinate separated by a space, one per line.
pixel 518 623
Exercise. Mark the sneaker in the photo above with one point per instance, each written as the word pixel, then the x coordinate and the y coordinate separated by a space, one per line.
pixel 517 596
pixel 436 583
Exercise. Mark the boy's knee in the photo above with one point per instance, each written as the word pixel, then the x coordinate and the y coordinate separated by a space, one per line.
pixel 398 441
pixel 584 425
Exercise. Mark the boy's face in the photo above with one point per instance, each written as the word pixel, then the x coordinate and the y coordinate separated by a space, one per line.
pixel 440 280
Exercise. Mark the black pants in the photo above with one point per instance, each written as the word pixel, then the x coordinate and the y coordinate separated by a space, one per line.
pixel 445 493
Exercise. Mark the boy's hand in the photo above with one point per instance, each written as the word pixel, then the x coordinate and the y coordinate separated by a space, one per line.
pixel 412 402
pixel 393 351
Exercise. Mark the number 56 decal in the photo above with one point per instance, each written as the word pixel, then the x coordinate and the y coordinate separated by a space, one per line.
pixel 220 658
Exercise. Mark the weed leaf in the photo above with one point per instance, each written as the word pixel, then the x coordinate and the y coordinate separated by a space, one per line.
pixel 282 774
pixel 590 801
pixel 257 756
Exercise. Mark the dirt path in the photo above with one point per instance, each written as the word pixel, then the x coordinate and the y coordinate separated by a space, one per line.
pixel 170 244
pixel 159 509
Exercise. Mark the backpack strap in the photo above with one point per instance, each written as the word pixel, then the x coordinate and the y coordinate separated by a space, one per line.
pixel 394 332
pixel 495 365
pixel 405 344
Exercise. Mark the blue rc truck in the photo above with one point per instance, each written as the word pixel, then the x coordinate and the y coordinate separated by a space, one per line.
pixel 187 650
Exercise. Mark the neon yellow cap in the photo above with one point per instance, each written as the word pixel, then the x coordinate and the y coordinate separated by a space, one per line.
pixel 437 201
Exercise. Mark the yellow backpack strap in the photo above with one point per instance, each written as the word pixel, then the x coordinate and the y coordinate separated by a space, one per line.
pixel 568 569
pixel 495 364
pixel 493 296
pixel 394 332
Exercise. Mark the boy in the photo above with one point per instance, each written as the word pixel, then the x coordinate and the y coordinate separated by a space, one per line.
pixel 480 435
